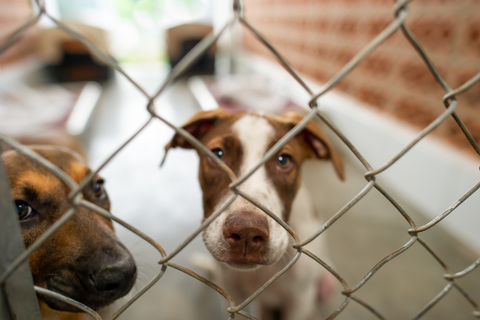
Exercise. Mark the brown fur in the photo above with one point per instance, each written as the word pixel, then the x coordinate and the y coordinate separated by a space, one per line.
pixel 73 261
pixel 213 130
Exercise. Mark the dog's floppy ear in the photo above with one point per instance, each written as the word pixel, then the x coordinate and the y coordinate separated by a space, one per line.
pixel 320 147
pixel 197 126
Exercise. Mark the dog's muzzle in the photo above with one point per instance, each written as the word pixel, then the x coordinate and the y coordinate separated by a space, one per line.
pixel 95 284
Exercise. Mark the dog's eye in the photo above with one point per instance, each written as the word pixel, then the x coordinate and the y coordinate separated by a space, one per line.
pixel 23 209
pixel 98 188
pixel 218 152
pixel 284 161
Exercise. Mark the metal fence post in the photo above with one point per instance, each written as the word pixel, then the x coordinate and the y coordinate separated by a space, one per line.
pixel 18 299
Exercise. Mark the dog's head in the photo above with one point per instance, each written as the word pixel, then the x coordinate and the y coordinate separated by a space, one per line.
pixel 83 260
pixel 244 236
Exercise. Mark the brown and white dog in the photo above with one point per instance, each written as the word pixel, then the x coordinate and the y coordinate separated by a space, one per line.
pixel 83 260
pixel 245 238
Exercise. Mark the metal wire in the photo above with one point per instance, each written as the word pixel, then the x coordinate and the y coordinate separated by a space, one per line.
pixel 400 14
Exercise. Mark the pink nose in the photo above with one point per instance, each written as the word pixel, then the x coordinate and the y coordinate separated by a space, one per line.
pixel 246 232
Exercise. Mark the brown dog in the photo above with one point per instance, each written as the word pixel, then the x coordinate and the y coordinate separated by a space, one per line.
pixel 243 237
pixel 83 260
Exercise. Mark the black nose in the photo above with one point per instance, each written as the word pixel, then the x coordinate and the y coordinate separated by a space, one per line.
pixel 115 279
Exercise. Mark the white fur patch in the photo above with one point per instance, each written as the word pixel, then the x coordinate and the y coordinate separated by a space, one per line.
pixel 255 134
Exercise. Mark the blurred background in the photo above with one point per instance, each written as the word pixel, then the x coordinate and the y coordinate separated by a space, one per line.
pixel 54 89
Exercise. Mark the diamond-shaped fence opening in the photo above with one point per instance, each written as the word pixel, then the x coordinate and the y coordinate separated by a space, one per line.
pixel 398 25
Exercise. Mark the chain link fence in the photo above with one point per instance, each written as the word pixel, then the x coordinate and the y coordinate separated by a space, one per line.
pixel 13 286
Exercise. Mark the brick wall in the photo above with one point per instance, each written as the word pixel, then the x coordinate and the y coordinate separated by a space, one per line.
pixel 13 14
pixel 318 37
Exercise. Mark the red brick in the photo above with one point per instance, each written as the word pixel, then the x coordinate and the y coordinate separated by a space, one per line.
pixel 347 26
pixel 321 52
pixel 322 25
pixel 418 113
pixel 472 95
pixel 385 3
pixel 473 37
pixel 440 2
pixel 348 1
pixel 320 72
pixel 416 75
pixel 434 32
pixel 449 30
pixel 343 56
pixel 319 75
pixel 373 97
pixel 378 65
pixel 377 25
pixel 346 85
pixel 302 68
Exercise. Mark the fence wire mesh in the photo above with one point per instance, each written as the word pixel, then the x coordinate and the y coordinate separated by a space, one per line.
pixel 400 13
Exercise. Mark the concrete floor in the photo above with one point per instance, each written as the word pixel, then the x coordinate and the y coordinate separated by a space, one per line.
pixel 165 203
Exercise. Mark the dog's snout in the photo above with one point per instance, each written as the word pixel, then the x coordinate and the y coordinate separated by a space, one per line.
pixel 116 278
pixel 247 232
